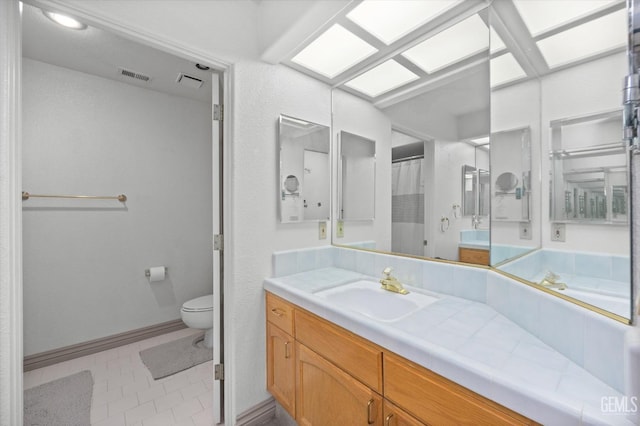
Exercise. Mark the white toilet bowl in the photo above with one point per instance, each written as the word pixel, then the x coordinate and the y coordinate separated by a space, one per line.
pixel 198 313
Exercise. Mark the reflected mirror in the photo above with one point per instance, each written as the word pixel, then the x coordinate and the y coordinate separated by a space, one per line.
pixel 304 170
pixel 439 90
pixel 571 102
pixel 356 177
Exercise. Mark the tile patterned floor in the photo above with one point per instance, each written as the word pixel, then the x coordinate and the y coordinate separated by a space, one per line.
pixel 124 393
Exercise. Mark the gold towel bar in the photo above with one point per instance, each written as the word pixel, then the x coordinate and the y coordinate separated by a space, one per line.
pixel 122 198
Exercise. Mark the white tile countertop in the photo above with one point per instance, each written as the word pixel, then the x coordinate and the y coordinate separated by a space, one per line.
pixel 472 344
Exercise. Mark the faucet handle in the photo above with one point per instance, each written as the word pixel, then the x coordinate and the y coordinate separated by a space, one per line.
pixel 387 271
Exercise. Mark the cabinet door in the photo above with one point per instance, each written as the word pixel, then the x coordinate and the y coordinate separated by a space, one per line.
pixel 394 416
pixel 281 367
pixel 326 395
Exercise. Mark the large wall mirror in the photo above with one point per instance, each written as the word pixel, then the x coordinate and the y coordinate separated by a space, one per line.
pixel 304 170
pixel 480 113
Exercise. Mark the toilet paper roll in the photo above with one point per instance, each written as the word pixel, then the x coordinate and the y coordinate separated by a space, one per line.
pixel 157 273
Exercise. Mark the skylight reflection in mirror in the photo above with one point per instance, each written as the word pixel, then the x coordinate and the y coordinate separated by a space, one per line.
pixel 333 52
pixel 504 69
pixel 589 39
pixel 381 79
pixel 390 20
pixel 450 46
pixel 542 15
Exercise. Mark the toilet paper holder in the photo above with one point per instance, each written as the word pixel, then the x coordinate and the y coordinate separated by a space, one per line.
pixel 147 272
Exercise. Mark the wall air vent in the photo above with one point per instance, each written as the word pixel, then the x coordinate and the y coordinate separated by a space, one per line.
pixel 132 74
pixel 189 81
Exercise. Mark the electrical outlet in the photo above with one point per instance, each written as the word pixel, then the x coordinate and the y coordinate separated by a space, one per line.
pixel 525 231
pixel 558 232
pixel 322 230
pixel 340 229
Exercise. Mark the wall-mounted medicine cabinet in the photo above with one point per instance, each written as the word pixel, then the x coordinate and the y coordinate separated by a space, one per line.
pixel 304 180
pixel 356 177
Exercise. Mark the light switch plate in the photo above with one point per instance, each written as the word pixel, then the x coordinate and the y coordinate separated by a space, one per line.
pixel 322 230
pixel 525 231
pixel 558 232
pixel 340 229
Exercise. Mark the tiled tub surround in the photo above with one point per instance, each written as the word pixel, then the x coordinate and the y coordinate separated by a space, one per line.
pixel 597 279
pixel 539 355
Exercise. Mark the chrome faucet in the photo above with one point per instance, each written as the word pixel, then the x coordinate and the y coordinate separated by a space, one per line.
pixel 550 280
pixel 390 283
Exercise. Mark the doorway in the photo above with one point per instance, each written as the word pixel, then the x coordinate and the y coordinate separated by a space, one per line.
pixel 84 259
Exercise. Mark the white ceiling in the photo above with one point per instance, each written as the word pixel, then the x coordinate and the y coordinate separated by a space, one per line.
pixel 101 53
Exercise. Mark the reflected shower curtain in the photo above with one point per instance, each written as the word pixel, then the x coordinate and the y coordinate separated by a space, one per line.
pixel 407 198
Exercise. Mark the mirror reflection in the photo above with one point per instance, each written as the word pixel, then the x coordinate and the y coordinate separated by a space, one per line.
pixel 356 177
pixel 575 69
pixel 442 87
pixel 304 170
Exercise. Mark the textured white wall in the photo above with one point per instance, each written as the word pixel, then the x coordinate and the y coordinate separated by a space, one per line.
pixel 262 92
pixel 84 261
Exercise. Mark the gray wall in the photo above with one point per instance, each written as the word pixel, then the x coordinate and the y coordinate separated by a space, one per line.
pixel 84 261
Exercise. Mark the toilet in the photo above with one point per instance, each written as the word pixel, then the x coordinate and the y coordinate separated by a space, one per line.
pixel 198 313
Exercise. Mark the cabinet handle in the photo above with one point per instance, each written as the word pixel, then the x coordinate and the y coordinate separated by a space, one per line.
pixel 387 421
pixel 277 312
pixel 287 355
pixel 370 406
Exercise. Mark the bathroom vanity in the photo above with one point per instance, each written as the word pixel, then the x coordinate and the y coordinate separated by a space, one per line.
pixel 339 347
pixel 359 381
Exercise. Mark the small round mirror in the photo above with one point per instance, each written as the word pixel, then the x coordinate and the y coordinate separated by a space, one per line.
pixel 506 181
pixel 291 184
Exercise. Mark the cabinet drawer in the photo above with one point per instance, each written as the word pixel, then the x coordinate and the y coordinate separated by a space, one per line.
pixel 394 416
pixel 280 313
pixel 475 256
pixel 355 355
pixel 435 400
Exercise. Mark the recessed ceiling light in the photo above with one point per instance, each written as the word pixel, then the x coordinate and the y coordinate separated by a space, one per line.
pixel 589 39
pixel 389 20
pixel 541 15
pixel 504 69
pixel 451 45
pixel 333 52
pixel 64 20
pixel 381 79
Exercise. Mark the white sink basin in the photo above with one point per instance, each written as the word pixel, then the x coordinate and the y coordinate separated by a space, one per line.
pixel 369 299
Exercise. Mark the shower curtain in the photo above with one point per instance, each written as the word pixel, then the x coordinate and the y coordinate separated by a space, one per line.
pixel 407 198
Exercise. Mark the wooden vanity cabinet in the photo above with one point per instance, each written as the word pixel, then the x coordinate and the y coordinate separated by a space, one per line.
pixel 394 416
pixel 475 256
pixel 437 400
pixel 323 375
pixel 281 359
pixel 281 368
pixel 326 395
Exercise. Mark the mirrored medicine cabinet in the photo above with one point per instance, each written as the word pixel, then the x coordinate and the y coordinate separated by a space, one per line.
pixel 496 129
pixel 304 179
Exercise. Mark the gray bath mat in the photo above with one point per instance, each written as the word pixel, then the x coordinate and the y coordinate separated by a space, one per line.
pixel 178 355
pixel 65 401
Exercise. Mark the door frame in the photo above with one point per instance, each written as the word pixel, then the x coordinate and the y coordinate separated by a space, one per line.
pixel 11 304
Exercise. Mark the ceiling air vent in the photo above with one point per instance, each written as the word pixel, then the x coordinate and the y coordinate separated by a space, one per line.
pixel 133 74
pixel 189 81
